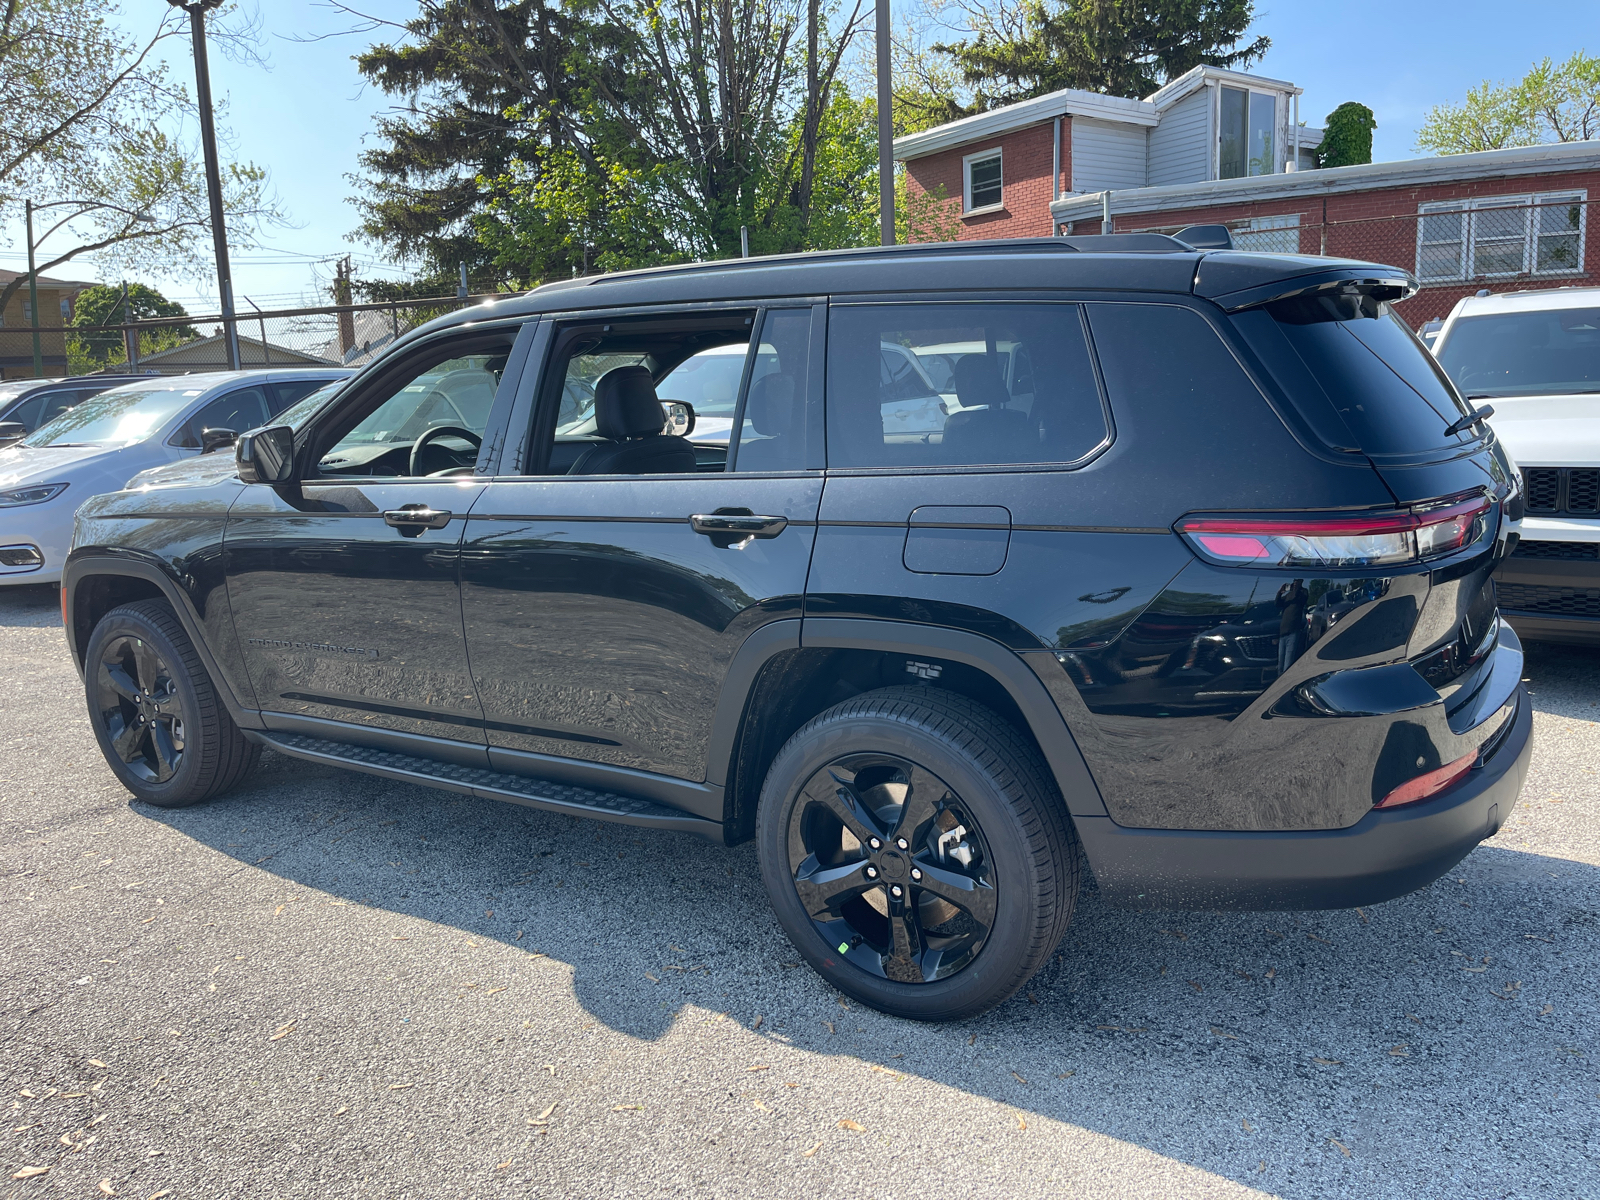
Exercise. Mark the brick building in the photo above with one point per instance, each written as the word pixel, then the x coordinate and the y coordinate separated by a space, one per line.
pixel 57 299
pixel 1224 147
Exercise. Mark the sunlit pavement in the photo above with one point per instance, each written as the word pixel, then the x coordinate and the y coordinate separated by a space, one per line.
pixel 327 984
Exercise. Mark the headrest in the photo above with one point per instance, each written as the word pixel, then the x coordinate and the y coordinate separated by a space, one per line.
pixel 977 380
pixel 625 404
pixel 770 405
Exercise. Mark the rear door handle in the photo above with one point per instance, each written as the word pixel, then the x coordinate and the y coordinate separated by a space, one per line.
pixel 412 519
pixel 738 525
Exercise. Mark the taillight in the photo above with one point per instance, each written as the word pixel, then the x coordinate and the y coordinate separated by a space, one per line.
pixel 1338 539
pixel 1430 784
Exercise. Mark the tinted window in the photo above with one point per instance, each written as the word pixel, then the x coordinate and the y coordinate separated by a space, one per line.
pixel 238 411
pixel 772 427
pixel 1356 373
pixel 1525 353
pixel 27 412
pixel 940 384
pixel 285 393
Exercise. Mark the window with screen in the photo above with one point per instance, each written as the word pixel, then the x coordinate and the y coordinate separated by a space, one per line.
pixel 1501 237
pixel 939 384
pixel 984 181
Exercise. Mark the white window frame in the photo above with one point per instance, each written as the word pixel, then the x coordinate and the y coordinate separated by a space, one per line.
pixel 1468 230
pixel 966 182
pixel 1259 233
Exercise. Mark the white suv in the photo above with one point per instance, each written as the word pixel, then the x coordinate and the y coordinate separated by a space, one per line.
pixel 1535 358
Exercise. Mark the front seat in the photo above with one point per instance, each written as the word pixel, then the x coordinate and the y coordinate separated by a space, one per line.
pixel 770 411
pixel 628 415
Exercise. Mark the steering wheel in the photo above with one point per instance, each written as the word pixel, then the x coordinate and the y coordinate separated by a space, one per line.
pixel 438 431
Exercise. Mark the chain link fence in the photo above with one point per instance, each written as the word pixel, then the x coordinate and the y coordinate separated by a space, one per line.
pixel 348 335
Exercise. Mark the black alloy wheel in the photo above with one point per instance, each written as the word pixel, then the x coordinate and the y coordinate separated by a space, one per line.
pixel 892 868
pixel 140 707
pixel 917 852
pixel 161 726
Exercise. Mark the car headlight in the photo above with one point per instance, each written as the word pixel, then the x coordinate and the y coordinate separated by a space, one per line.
pixel 37 494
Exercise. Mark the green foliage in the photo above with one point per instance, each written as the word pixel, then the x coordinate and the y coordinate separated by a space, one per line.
pixel 1347 136
pixel 1553 102
pixel 1018 50
pixel 101 305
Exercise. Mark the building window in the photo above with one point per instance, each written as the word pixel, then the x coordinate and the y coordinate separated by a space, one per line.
pixel 982 181
pixel 1497 237
pixel 27 312
pixel 1247 134
pixel 66 310
pixel 1271 235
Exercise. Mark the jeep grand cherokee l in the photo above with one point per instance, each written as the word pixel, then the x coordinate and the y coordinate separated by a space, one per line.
pixel 1200 599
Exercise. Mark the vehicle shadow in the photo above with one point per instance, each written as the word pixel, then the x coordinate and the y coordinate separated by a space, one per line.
pixel 30 606
pixel 1323 1045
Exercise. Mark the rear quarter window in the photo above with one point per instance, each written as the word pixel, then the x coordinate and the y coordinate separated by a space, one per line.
pixel 1356 373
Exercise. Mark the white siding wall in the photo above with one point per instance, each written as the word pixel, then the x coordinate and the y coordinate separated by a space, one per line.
pixel 1179 152
pixel 1106 154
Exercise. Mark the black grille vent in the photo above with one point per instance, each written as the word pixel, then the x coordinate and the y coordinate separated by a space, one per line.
pixel 1583 489
pixel 1554 601
pixel 1568 550
pixel 1543 486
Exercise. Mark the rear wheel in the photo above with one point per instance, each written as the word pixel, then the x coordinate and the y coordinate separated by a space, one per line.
pixel 916 852
pixel 155 711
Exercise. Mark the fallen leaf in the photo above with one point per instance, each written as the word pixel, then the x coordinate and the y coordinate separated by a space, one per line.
pixel 278 912
pixel 545 1115
pixel 829 1024
pixel 1343 1149
pixel 551 1067
pixel 758 1067
pixel 1327 1062
pixel 1032 999
pixel 158 1195
pixel 1118 1028
pixel 758 1105
pixel 852 1126
pixel 95 1062
pixel 1248 1128
pixel 492 991
pixel 1066 1074
pixel 30 1172
pixel 1414 1017
pixel 106 1188
pixel 399 938
pixel 488 912
pixel 1272 973
pixel 1021 1124
pixel 502 1166
pixel 1313 937
pixel 1362 915
pixel 972 1040
pixel 1475 970
pixel 756 1024
pixel 1532 937
pixel 651 978
pixel 1196 986
pixel 811 1153
pixel 1547 1010
pixel 1222 1034
pixel 627 1108
pixel 343 1108
pixel 518 938
pixel 28 1094
pixel 399 1087
pixel 1400 1050
pixel 283 1032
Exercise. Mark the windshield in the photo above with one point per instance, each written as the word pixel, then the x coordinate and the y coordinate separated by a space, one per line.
pixel 459 393
pixel 1555 351
pixel 119 417
pixel 302 409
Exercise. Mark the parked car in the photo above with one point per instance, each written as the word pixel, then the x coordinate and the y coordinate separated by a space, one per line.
pixel 929 671
pixel 1534 357
pixel 26 404
pixel 95 446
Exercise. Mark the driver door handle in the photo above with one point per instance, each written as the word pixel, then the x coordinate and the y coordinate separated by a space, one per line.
pixel 412 519
pixel 738 524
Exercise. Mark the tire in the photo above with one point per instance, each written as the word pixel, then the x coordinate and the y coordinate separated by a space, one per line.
pixel 155 711
pixel 984 825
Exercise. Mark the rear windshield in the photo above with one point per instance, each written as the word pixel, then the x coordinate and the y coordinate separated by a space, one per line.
pixel 1555 352
pixel 1356 373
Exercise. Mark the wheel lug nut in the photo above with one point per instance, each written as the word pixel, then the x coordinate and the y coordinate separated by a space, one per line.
pixel 895 891
pixel 872 872
pixel 875 844
pixel 916 874
pixel 903 844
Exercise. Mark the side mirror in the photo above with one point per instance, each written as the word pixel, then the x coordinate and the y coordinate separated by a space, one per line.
pixel 12 431
pixel 266 455
pixel 679 418
pixel 216 439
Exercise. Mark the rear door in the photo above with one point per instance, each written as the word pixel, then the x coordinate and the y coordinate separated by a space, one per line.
pixel 601 616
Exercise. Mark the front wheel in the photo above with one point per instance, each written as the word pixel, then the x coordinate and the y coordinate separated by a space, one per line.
pixel 155 711
pixel 916 853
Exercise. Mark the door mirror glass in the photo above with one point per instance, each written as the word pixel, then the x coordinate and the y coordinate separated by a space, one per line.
pixel 216 439
pixel 679 418
pixel 266 455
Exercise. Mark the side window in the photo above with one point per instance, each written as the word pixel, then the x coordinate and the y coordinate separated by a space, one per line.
pixel 941 384
pixel 28 412
pixel 772 427
pixel 283 394
pixel 238 411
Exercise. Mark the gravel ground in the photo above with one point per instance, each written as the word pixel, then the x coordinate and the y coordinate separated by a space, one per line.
pixel 328 984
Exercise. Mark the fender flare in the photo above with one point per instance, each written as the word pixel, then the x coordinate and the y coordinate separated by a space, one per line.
pixel 1002 664
pixel 80 567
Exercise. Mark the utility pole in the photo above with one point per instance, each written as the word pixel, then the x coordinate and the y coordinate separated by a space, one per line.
pixel 33 298
pixel 885 131
pixel 341 296
pixel 197 10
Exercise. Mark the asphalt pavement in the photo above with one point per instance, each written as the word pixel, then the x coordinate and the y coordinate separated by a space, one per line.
pixel 327 985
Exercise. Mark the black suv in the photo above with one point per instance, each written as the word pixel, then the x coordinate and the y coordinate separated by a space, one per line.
pixel 1005 557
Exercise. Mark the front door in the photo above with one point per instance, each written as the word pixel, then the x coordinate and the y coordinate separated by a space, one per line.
pixel 603 609
pixel 344 586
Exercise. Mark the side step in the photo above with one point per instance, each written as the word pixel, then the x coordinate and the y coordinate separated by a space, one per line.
pixel 491 785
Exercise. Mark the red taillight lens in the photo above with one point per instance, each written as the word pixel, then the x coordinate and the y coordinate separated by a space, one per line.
pixel 1430 784
pixel 1338 539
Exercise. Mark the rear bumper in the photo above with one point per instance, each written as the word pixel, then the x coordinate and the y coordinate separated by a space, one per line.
pixel 1384 855
pixel 1551 600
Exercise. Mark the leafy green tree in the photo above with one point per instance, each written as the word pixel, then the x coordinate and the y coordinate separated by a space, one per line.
pixel 105 305
pixel 1347 136
pixel 1553 102
pixel 1019 49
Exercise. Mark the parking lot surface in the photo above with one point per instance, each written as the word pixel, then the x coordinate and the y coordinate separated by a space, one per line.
pixel 328 984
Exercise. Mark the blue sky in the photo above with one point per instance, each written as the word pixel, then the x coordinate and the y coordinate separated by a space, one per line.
pixel 307 117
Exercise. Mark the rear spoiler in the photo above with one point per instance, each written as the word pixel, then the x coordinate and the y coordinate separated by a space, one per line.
pixel 1381 283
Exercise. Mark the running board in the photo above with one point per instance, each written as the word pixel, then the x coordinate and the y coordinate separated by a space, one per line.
pixel 490 785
